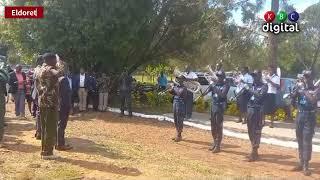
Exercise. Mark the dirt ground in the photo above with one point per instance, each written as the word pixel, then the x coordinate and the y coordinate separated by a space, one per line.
pixel 109 147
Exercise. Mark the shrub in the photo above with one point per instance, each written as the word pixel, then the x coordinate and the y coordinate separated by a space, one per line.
pixel 201 105
pixel 156 99
pixel 232 109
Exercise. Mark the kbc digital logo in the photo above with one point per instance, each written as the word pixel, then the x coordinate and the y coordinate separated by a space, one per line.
pixel 281 25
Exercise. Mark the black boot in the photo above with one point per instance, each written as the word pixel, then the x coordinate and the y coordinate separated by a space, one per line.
pixel 216 148
pixel 298 167
pixel 213 145
pixel 306 170
pixel 178 137
pixel 254 155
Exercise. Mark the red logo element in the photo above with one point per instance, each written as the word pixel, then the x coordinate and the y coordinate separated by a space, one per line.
pixel 269 16
pixel 23 12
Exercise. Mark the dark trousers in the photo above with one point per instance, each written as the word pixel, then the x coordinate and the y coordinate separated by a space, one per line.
pixel 179 114
pixel 217 111
pixel 305 125
pixel 255 125
pixel 49 118
pixel 2 114
pixel 125 99
pixel 189 104
pixel 38 122
pixel 62 124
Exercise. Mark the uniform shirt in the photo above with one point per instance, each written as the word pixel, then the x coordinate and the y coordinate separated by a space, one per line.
pixel 82 79
pixel 179 92
pixel 48 86
pixel 222 87
pixel 103 83
pixel 257 95
pixel 275 79
pixel 191 75
pixel 305 104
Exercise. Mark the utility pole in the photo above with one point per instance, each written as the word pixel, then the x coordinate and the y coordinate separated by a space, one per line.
pixel 273 39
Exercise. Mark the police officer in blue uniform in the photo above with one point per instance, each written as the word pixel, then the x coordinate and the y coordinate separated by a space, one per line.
pixel 255 123
pixel 219 102
pixel 306 98
pixel 179 110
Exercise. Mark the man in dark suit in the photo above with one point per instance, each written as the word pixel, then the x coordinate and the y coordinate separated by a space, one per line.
pixel 92 98
pixel 81 85
pixel 65 93
pixel 17 81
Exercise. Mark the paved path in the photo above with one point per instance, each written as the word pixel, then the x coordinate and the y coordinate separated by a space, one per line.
pixel 281 131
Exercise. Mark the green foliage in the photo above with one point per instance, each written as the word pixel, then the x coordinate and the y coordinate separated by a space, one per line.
pixel 155 99
pixel 201 105
pixel 108 35
pixel 232 109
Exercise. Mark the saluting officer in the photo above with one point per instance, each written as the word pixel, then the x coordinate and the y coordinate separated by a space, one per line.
pixel 307 98
pixel 257 94
pixel 219 102
pixel 179 110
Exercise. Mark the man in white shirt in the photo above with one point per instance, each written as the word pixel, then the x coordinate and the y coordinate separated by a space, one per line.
pixel 273 82
pixel 190 76
pixel 242 101
pixel 82 90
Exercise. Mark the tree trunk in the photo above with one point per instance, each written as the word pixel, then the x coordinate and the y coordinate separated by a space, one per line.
pixel 273 39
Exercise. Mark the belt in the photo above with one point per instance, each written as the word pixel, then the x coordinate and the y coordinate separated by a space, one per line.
pixel 310 111
pixel 82 87
pixel 254 106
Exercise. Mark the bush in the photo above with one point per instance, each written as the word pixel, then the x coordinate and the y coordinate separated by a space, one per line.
pixel 201 105
pixel 232 109
pixel 156 99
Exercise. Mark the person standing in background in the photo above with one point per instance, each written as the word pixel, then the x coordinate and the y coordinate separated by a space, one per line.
pixel 190 76
pixel 162 81
pixel 245 79
pixel 125 92
pixel 92 98
pixel 17 81
pixel 273 81
pixel 65 93
pixel 29 83
pixel 81 82
pixel 103 88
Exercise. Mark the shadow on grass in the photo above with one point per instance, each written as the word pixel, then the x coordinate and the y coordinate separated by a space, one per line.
pixel 89 147
pixel 109 168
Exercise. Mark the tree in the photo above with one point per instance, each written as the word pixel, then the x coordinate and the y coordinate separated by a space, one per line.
pixel 109 35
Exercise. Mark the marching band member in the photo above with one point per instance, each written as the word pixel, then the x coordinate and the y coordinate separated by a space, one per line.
pixel 306 120
pixel 242 101
pixel 273 81
pixel 219 101
pixel 180 94
pixel 255 123
pixel 190 76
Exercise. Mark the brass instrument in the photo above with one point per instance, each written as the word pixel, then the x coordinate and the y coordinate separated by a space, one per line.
pixel 192 86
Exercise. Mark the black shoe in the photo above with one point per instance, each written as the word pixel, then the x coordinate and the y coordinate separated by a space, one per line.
pixel 306 170
pixel 253 157
pixel 5 124
pixel 213 146
pixel 239 121
pixel 297 168
pixel 216 149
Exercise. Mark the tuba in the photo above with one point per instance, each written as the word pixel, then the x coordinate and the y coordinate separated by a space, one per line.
pixel 191 85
